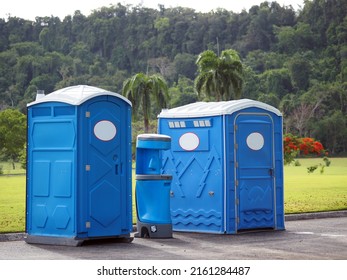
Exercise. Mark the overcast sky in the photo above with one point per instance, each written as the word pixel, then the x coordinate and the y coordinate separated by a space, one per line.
pixel 29 9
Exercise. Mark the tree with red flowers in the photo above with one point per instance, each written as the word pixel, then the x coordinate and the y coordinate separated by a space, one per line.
pixel 294 146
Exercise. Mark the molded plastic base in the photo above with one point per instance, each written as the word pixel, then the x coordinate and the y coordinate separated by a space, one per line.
pixel 146 230
pixel 73 241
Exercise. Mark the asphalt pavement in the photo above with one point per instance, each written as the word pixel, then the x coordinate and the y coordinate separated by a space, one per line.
pixel 315 236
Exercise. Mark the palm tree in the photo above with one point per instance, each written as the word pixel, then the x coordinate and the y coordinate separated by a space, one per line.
pixel 140 89
pixel 220 77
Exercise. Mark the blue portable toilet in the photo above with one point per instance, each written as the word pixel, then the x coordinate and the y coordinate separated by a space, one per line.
pixel 78 167
pixel 226 159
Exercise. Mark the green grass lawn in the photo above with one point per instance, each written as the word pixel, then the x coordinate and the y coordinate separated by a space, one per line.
pixel 12 203
pixel 303 192
pixel 315 192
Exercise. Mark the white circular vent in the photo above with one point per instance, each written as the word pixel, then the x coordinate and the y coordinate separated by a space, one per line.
pixel 255 141
pixel 189 141
pixel 105 130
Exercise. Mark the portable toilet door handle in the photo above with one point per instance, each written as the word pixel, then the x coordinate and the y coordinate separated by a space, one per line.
pixel 271 172
pixel 119 168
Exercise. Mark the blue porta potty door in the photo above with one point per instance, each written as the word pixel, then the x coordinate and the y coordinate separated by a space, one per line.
pixel 255 171
pixel 227 164
pixel 79 167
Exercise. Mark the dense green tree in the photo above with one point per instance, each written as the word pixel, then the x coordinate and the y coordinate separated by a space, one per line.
pixel 182 92
pixel 261 61
pixel 299 69
pixel 286 37
pixel 276 81
pixel 185 65
pixel 220 77
pixel 251 86
pixel 259 31
pixel 297 38
pixel 12 134
pixel 263 18
pixel 271 99
pixel 140 89
pixel 18 30
pixel 332 131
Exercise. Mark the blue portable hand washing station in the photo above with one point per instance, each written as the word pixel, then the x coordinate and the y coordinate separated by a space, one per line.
pixel 79 167
pixel 152 187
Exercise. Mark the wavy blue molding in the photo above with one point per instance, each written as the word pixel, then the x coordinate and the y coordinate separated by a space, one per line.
pixel 257 219
pixel 197 218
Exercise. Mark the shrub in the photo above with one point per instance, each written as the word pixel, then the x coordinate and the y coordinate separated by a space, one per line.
pixel 294 146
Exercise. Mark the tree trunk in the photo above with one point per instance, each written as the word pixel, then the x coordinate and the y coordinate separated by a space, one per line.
pixel 146 122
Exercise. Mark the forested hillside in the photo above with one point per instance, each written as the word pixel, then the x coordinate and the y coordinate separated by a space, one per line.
pixel 295 60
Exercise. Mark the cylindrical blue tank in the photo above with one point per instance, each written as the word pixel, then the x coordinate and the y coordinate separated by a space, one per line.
pixel 152 187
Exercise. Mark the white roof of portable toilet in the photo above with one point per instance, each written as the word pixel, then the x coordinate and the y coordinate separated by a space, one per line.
pixel 76 95
pixel 203 109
